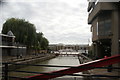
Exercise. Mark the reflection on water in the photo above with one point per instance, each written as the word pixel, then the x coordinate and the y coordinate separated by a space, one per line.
pixel 61 60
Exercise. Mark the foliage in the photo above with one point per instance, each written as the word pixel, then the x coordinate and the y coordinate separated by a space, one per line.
pixel 25 33
pixel 44 43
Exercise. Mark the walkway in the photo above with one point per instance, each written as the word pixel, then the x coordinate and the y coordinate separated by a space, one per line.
pixel 23 58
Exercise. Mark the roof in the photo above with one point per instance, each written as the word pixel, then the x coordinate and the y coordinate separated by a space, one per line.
pixel 10 33
pixel 6 35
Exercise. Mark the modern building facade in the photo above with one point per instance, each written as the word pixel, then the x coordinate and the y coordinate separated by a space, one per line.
pixel 104 18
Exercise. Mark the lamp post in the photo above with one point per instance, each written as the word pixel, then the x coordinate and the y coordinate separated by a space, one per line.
pixel 17 50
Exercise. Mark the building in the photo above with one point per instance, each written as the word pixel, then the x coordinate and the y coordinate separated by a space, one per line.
pixel 8 47
pixel 73 47
pixel 104 18
pixel 7 40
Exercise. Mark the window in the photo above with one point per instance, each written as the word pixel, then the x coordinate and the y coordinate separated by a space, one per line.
pixel 101 28
pixel 97 28
pixel 107 27
pixel 91 29
pixel 104 24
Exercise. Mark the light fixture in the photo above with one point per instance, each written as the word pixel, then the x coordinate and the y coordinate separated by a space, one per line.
pixel 94 43
pixel 119 40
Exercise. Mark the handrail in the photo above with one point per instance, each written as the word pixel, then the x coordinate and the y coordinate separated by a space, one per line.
pixel 84 75
pixel 62 66
pixel 96 63
pixel 70 69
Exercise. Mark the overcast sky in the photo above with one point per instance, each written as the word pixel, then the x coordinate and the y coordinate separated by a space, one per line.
pixel 61 21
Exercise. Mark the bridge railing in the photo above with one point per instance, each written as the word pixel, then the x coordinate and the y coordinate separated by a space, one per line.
pixel 6 71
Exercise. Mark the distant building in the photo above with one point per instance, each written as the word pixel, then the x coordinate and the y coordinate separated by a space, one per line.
pixel 104 18
pixel 77 47
pixel 9 47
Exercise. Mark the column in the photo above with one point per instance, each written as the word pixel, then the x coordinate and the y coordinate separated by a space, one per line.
pixel 115 31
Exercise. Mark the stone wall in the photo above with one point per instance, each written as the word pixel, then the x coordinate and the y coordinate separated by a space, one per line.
pixel 13 51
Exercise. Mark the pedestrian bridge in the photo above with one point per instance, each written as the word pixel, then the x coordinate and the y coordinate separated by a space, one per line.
pixel 68 54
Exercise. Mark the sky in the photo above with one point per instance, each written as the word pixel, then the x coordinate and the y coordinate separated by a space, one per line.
pixel 61 21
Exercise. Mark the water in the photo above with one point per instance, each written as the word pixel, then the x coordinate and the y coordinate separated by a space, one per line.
pixel 61 60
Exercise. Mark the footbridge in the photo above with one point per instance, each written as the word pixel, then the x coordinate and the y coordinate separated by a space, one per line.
pixel 68 54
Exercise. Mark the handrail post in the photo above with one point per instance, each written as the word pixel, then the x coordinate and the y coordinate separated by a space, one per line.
pixel 6 71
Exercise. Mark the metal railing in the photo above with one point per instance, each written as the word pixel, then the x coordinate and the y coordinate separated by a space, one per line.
pixel 6 70
pixel 97 64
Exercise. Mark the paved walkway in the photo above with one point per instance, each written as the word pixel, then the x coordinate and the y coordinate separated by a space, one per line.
pixel 104 72
pixel 16 59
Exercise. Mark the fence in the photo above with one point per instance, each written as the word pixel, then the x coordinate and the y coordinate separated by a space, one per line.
pixel 6 70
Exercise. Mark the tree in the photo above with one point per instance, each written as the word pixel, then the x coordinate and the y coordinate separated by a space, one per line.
pixel 39 36
pixel 44 43
pixel 24 31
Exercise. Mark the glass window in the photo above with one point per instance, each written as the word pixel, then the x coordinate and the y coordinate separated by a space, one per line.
pixel 101 28
pixel 97 28
pixel 107 27
pixel 104 24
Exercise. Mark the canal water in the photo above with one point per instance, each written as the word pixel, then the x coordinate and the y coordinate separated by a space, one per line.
pixel 60 60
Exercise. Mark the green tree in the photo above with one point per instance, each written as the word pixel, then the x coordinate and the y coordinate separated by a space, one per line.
pixel 44 43
pixel 39 36
pixel 24 31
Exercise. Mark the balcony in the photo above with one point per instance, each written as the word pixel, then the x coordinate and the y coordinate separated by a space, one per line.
pixel 99 7
pixel 100 37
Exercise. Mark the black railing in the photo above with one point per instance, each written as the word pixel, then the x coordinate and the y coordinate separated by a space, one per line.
pixel 6 70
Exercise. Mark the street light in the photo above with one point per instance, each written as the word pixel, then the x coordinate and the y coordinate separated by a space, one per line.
pixel 17 49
